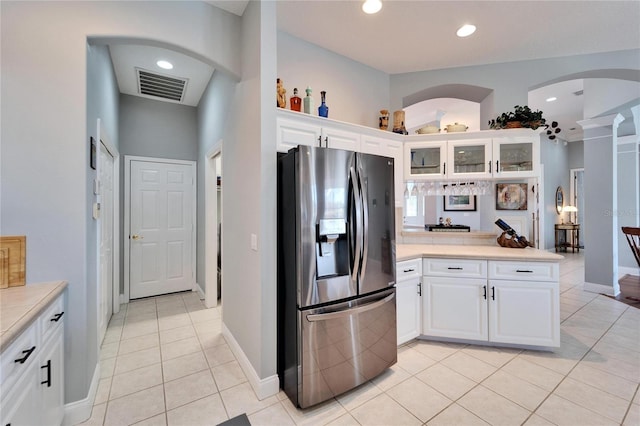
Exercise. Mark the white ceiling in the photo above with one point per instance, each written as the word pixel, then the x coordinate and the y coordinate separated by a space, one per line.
pixel 409 36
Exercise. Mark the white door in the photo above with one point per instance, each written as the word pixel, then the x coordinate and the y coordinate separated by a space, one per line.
pixel 408 302
pixel 106 218
pixel 161 231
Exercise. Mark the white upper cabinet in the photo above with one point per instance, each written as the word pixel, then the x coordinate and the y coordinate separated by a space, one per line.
pixel 515 157
pixel 469 159
pixel 292 133
pixel 340 139
pixel 425 160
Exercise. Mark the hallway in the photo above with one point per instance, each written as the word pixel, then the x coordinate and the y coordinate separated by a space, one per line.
pixel 165 362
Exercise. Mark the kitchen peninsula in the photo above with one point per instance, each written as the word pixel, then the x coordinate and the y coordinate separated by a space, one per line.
pixel 482 294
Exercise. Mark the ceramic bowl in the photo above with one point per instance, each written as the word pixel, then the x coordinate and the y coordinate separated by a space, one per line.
pixel 427 129
pixel 452 128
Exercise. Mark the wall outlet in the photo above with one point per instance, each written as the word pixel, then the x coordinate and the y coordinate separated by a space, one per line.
pixel 254 242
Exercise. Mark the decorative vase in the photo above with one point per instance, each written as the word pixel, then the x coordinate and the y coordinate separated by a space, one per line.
pixel 308 101
pixel 384 119
pixel 281 99
pixel 398 123
pixel 296 101
pixel 323 109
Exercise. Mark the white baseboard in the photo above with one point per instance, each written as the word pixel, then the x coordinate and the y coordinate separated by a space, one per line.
pixel 79 411
pixel 199 290
pixel 601 289
pixel 263 388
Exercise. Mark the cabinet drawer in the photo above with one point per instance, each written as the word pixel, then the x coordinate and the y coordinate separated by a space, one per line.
pixel 25 350
pixel 466 268
pixel 52 318
pixel 524 271
pixel 408 269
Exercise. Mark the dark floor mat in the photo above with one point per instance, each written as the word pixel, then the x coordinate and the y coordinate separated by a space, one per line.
pixel 241 420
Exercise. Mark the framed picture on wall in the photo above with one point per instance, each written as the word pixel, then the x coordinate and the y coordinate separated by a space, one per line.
pixel 459 202
pixel 511 196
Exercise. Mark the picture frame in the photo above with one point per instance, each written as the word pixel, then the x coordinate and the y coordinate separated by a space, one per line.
pixel 511 196
pixel 454 203
pixel 92 153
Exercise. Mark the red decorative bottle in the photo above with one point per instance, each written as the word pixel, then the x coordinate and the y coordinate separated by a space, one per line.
pixel 296 101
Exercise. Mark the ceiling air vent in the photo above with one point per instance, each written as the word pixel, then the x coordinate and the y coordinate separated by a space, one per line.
pixel 579 93
pixel 161 86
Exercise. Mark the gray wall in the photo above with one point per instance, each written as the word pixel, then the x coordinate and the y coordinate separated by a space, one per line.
pixel 44 165
pixel 151 128
pixel 556 173
pixel 213 114
pixel 576 155
pixel 355 92
pixel 102 102
pixel 628 200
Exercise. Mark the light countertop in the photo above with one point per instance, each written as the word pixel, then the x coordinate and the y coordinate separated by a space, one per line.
pixel 20 306
pixel 529 254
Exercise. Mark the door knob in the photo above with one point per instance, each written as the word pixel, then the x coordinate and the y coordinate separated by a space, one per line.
pixel 137 237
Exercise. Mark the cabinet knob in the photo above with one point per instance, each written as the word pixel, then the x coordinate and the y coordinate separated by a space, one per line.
pixel 57 317
pixel 137 237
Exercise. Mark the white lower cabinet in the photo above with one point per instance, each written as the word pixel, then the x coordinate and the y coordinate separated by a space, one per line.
pixel 32 374
pixel 524 312
pixel 515 303
pixel 455 308
pixel 408 296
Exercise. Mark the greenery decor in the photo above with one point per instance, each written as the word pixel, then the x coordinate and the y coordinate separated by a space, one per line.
pixel 521 116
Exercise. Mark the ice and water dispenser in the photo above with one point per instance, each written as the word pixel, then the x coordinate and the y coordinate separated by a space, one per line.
pixel 331 248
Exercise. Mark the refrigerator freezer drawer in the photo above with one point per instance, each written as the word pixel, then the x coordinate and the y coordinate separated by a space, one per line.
pixel 342 347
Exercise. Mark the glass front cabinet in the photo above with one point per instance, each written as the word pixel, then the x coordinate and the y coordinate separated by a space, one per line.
pixel 515 157
pixel 470 158
pixel 465 159
pixel 425 160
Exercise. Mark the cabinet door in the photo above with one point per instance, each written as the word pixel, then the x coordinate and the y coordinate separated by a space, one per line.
pixel 524 312
pixel 340 139
pixel 425 160
pixel 52 380
pixel 292 133
pixel 469 159
pixel 515 157
pixel 454 308
pixel 408 308
pixel 20 406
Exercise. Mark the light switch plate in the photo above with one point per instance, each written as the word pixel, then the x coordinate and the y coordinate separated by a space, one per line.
pixel 96 210
pixel 254 242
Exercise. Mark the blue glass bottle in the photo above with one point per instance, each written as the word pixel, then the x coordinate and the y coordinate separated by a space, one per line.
pixel 323 109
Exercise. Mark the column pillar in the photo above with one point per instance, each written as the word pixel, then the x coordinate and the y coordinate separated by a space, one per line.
pixel 601 204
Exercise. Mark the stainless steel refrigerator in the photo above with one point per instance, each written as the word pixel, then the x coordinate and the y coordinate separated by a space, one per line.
pixel 336 274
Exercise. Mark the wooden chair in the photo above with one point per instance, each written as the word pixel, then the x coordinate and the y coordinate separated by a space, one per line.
pixel 633 238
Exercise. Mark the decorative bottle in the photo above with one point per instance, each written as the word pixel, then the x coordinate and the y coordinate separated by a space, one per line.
pixel 323 109
pixel 296 101
pixel 308 101
pixel 281 101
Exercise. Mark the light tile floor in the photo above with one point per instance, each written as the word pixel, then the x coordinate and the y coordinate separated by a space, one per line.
pixel 164 362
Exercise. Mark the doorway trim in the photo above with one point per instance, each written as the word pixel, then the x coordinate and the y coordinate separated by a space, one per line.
pixel 127 216
pixel 103 138
pixel 211 225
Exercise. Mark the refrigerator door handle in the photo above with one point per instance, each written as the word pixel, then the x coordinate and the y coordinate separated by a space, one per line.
pixel 347 312
pixel 358 211
pixel 365 222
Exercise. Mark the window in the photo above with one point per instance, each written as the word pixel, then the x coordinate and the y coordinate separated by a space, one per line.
pixel 413 205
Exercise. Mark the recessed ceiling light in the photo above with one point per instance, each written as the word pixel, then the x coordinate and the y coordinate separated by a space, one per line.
pixel 371 6
pixel 164 64
pixel 551 99
pixel 466 30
